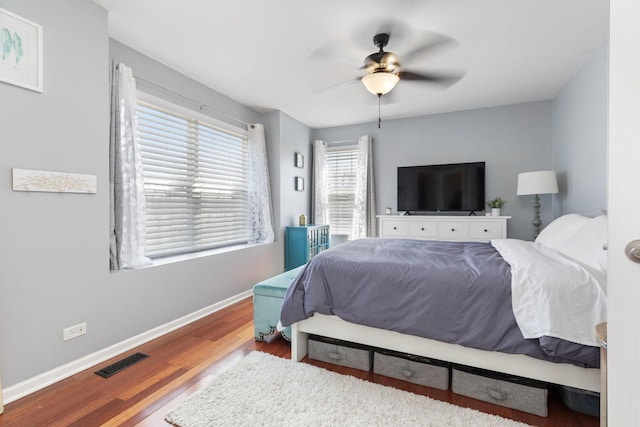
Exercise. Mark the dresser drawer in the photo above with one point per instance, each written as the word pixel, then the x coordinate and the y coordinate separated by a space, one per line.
pixel 395 228
pixel 423 229
pixel 443 227
pixel 453 230
pixel 485 230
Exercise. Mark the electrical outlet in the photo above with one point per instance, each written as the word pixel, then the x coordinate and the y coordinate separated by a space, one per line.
pixel 74 331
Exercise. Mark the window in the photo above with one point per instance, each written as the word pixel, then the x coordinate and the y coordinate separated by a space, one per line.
pixel 195 179
pixel 342 164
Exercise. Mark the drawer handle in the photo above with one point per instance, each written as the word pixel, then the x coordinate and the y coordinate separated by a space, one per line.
pixel 453 229
pixel 422 229
pixel 335 356
pixel 406 372
pixel 486 231
pixel 395 228
pixel 496 394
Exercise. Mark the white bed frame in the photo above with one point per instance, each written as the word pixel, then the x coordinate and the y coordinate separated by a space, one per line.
pixel 514 364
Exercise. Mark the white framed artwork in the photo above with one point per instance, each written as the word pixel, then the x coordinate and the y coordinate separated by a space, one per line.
pixel 20 51
pixel 56 182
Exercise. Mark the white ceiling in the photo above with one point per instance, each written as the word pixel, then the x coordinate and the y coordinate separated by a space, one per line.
pixel 261 53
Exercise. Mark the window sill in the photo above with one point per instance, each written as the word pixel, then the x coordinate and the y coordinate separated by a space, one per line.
pixel 195 255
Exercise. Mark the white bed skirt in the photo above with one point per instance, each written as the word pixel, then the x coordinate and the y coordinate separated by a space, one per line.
pixel 514 364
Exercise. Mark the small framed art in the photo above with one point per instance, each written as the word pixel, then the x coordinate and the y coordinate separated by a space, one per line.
pixel 20 51
pixel 299 183
pixel 299 160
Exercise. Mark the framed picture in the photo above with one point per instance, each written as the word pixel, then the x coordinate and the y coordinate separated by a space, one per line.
pixel 20 51
pixel 299 160
pixel 299 183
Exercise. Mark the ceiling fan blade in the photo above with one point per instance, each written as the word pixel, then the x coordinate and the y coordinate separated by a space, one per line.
pixel 336 85
pixel 439 78
pixel 332 52
pixel 439 42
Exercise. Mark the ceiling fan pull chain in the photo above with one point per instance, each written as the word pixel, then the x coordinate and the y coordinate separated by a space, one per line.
pixel 379 119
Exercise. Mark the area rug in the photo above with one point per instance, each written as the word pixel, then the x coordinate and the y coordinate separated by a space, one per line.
pixel 264 390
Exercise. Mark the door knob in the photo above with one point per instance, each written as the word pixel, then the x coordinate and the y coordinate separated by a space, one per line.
pixel 632 250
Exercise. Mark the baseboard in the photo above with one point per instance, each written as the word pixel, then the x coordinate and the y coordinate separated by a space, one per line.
pixel 24 388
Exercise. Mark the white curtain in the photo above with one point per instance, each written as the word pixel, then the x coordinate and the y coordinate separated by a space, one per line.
pixel 125 175
pixel 260 220
pixel 364 213
pixel 320 184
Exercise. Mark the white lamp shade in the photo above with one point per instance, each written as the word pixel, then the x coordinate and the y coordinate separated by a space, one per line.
pixel 540 182
pixel 380 83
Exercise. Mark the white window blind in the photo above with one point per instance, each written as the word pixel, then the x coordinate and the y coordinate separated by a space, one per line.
pixel 341 180
pixel 195 179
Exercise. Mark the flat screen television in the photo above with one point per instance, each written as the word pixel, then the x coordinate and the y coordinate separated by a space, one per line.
pixel 441 188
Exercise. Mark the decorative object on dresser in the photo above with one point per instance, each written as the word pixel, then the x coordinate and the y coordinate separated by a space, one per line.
pixel 464 228
pixel 303 243
pixel 536 183
pixel 496 204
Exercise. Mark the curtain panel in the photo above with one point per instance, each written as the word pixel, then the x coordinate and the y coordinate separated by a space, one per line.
pixel 259 210
pixel 320 184
pixel 127 217
pixel 364 213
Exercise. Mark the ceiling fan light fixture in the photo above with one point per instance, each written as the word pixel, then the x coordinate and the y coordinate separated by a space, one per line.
pixel 380 83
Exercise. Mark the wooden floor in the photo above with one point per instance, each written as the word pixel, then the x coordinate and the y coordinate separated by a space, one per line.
pixel 183 361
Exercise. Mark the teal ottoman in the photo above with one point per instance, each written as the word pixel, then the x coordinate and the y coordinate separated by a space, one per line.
pixel 267 302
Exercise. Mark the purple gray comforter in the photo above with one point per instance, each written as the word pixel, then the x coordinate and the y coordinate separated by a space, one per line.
pixel 457 292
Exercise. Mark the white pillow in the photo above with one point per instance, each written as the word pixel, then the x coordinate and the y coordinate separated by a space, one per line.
pixel 586 244
pixel 561 230
pixel 596 212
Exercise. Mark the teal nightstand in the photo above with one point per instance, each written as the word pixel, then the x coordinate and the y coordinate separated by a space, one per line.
pixel 303 243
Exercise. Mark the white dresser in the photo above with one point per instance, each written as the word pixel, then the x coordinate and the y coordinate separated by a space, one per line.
pixel 464 228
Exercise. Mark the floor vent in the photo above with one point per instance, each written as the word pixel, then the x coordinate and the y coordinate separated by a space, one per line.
pixel 114 368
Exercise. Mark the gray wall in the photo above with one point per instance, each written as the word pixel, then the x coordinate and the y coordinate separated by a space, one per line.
pixel 54 262
pixel 580 123
pixel 287 136
pixel 510 139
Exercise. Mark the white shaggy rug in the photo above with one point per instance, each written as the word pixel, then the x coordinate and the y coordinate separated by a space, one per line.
pixel 264 390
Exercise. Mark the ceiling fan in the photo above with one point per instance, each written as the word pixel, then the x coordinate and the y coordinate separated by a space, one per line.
pixel 384 69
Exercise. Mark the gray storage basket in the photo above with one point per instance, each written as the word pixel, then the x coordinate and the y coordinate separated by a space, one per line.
pixel 583 401
pixel 414 369
pixel 502 389
pixel 339 352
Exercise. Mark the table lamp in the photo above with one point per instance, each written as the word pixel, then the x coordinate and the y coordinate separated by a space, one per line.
pixel 539 182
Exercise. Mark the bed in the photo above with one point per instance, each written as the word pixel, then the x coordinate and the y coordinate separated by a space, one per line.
pixel 521 308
